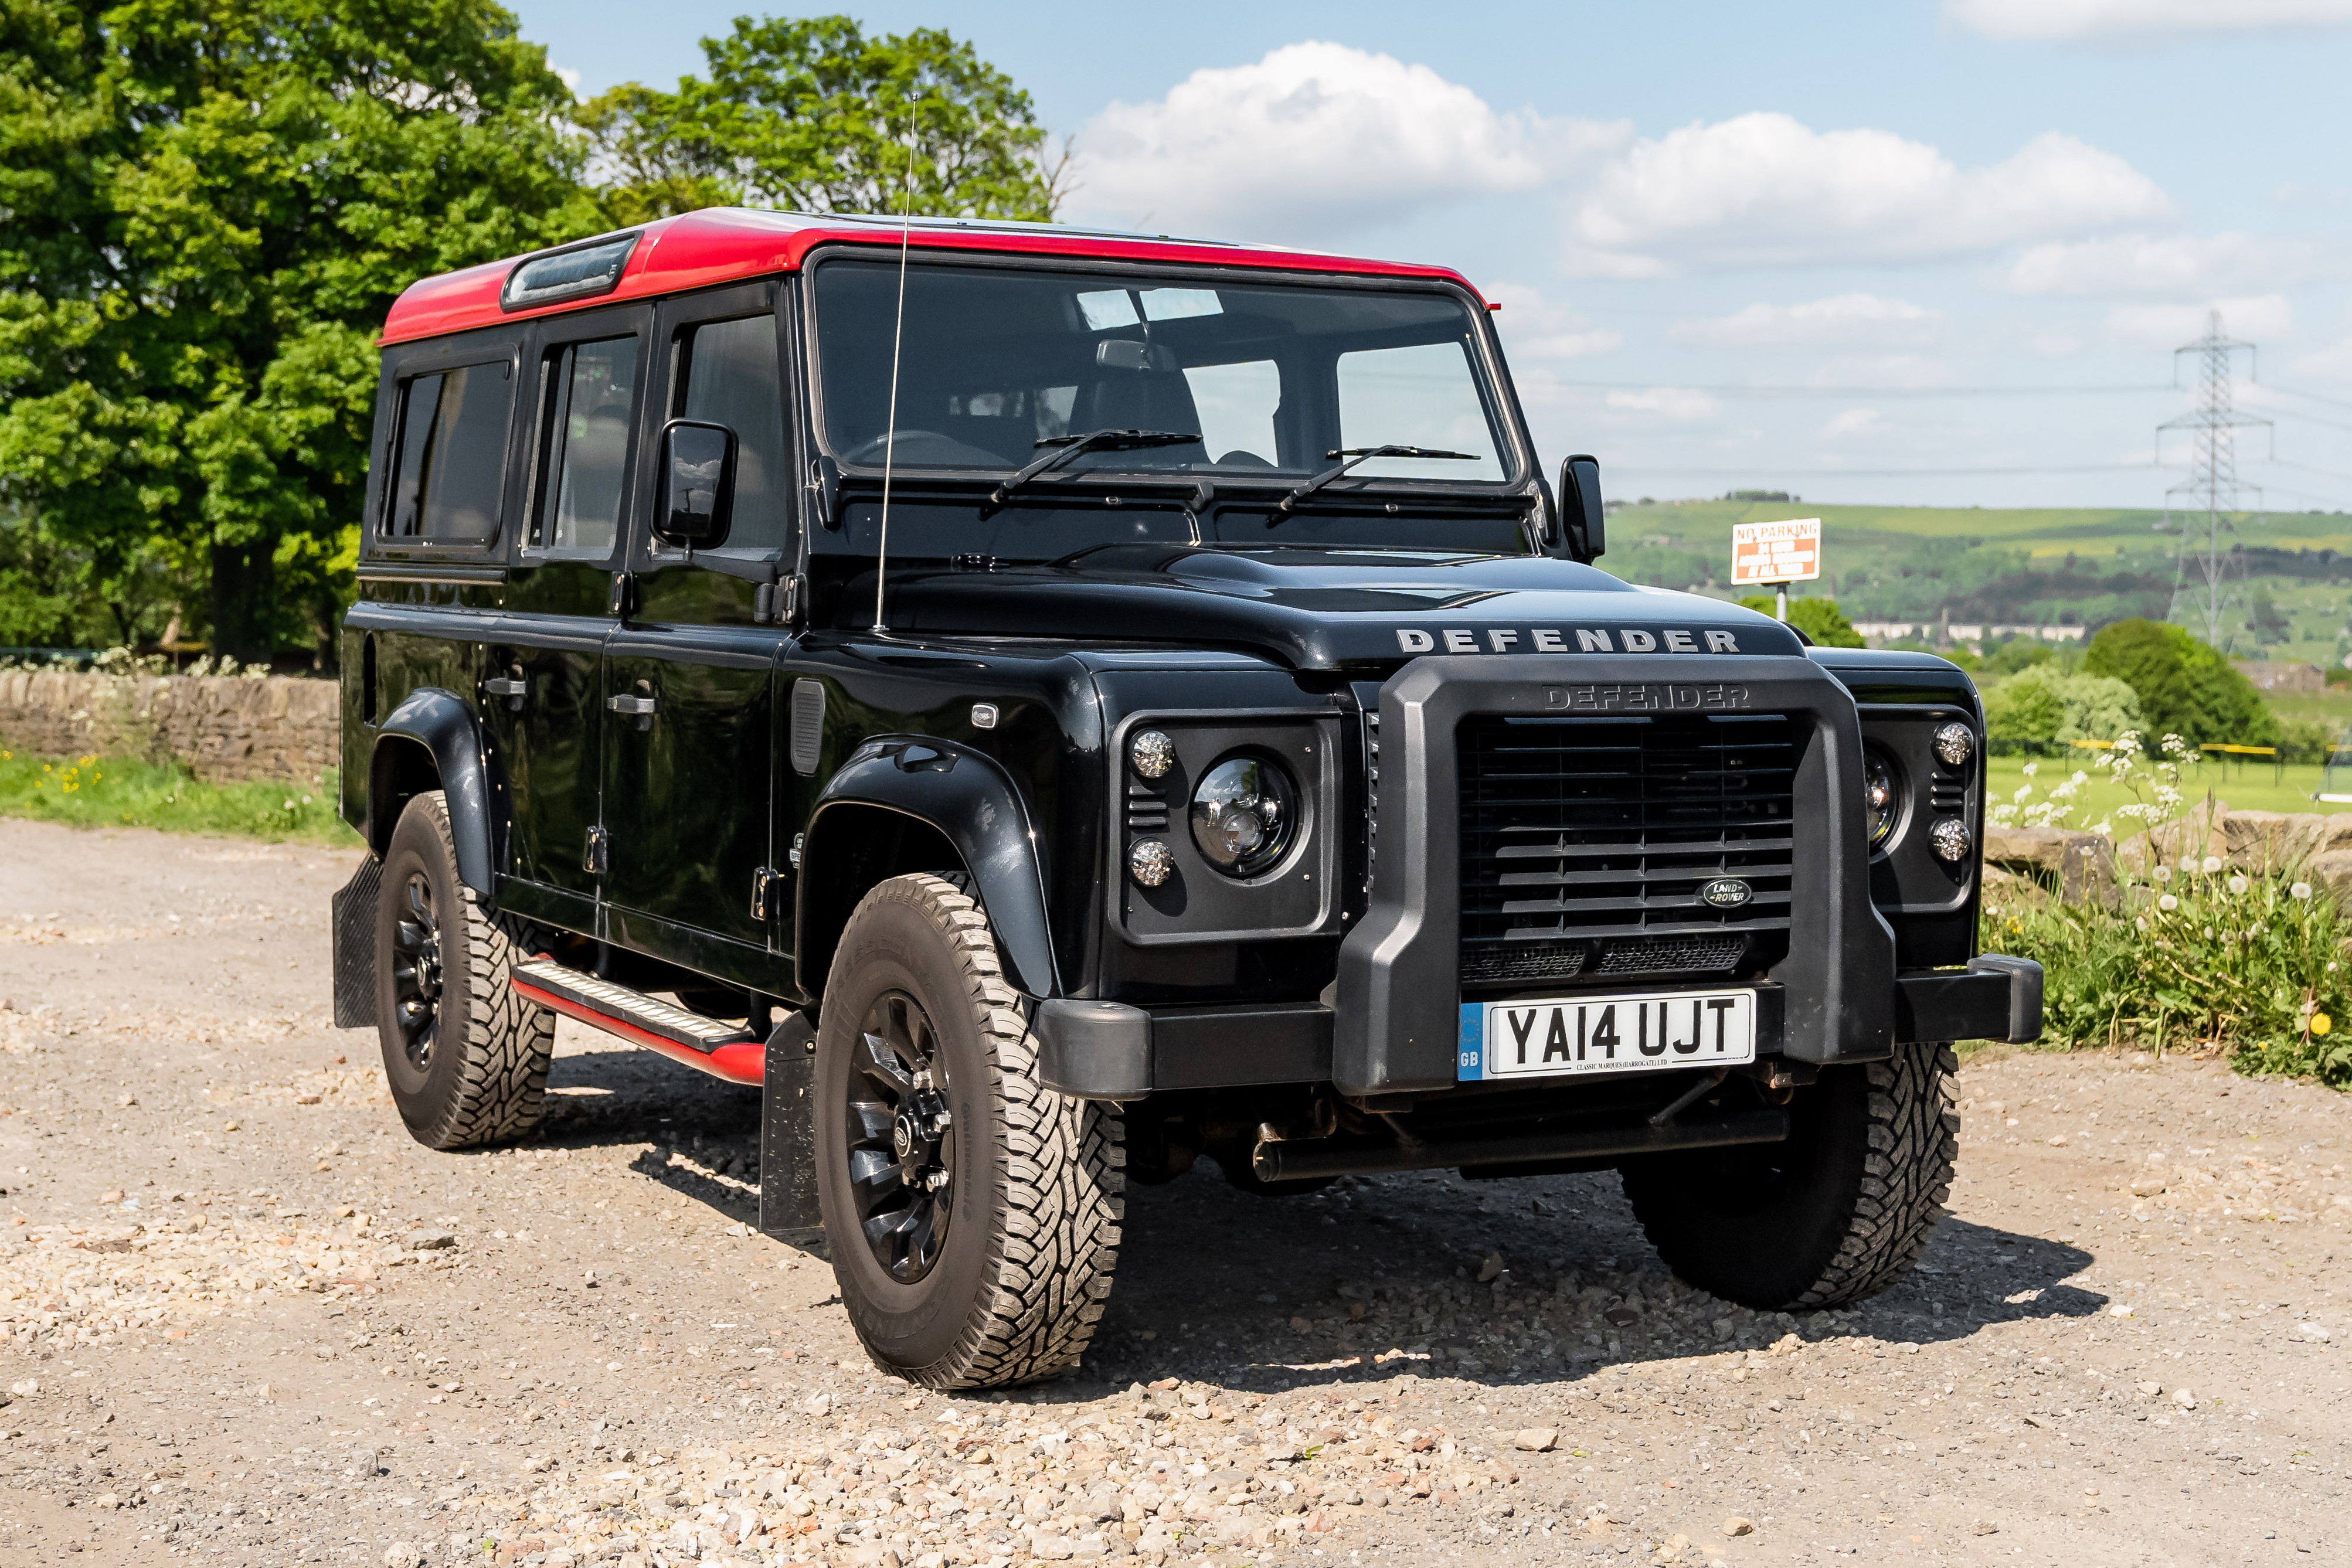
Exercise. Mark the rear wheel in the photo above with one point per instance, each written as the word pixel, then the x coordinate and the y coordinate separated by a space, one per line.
pixel 466 1057
pixel 972 1215
pixel 1838 1212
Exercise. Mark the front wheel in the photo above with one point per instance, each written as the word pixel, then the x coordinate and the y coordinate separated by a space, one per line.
pixel 973 1214
pixel 1836 1213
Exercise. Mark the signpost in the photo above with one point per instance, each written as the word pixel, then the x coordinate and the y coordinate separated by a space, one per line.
pixel 1778 554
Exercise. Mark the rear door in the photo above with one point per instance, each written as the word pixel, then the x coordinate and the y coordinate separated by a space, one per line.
pixel 688 709
pixel 543 687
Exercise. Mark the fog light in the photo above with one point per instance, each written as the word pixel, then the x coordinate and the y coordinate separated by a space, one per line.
pixel 1151 754
pixel 1244 815
pixel 1956 743
pixel 1950 837
pixel 1149 862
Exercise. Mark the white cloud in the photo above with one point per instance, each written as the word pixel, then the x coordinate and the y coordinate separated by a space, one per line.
pixel 2254 317
pixel 1669 402
pixel 2176 265
pixel 1532 328
pixel 569 78
pixel 1852 422
pixel 2334 361
pixel 2141 21
pixel 1315 136
pixel 2056 345
pixel 1764 189
pixel 1865 319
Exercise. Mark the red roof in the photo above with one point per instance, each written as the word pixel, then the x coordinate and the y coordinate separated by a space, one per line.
pixel 720 245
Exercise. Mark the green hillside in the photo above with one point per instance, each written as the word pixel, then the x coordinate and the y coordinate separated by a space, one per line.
pixel 2061 565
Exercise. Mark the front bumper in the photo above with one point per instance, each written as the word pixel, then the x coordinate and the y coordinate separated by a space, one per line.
pixel 1111 1050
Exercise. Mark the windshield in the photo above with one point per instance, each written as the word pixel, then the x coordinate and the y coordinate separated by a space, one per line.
pixel 1272 378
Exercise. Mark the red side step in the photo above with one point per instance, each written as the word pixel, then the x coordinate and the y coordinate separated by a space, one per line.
pixel 722 1049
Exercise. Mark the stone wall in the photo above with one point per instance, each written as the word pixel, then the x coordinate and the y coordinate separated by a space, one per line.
pixel 224 727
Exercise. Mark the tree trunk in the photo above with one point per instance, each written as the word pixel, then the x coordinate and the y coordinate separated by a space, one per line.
pixel 242 600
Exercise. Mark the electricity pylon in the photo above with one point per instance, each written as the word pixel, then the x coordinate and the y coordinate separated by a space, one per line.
pixel 2200 566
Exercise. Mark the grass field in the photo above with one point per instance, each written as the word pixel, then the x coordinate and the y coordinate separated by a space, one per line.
pixel 118 792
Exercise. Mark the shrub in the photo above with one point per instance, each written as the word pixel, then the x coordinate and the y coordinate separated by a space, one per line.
pixel 2044 703
pixel 2190 955
pixel 2185 687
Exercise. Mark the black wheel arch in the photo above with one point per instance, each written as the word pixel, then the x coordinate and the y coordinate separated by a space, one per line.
pixel 433 741
pixel 910 803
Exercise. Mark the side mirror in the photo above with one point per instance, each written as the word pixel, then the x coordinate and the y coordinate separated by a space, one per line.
pixel 1579 507
pixel 698 469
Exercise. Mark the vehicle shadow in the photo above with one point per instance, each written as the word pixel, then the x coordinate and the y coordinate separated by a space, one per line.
pixel 1222 1285
pixel 704 1133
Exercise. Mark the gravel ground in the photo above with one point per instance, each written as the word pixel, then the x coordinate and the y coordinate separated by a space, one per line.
pixel 248 1320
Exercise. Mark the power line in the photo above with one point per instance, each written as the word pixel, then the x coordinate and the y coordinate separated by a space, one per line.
pixel 2316 397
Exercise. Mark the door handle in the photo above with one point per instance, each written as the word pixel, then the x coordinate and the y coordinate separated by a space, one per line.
pixel 641 709
pixel 514 688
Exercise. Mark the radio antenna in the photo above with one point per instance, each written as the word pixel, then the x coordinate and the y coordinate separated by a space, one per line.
pixel 898 339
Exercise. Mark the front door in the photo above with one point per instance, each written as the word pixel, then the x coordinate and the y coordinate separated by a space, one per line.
pixel 688 705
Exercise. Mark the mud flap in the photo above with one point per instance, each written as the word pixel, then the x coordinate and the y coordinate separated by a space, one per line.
pixel 351 916
pixel 788 1201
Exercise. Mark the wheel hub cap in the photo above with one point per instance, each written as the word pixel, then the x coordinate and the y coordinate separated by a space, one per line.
pixel 897 1126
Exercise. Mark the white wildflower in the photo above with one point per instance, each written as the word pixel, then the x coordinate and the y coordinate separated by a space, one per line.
pixel 2167 903
pixel 2238 885
pixel 2212 863
pixel 2164 873
pixel 2299 890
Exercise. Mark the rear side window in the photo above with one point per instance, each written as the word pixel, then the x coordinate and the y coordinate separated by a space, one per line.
pixel 450 470
pixel 731 379
pixel 592 391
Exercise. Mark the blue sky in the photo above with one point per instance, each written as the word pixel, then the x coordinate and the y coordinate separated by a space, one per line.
pixel 1754 246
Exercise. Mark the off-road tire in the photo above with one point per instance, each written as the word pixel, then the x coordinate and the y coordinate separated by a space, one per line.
pixel 485 1078
pixel 1837 1213
pixel 1021 1276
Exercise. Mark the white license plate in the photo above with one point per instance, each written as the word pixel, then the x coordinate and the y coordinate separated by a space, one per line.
pixel 1635 1033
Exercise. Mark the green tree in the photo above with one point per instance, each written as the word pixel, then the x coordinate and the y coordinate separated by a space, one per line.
pixel 1816 618
pixel 813 115
pixel 2185 686
pixel 208 205
pixel 2045 702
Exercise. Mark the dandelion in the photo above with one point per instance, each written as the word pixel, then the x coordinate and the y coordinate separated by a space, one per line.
pixel 2140 921
pixel 2167 903
pixel 2238 885
pixel 2299 890
pixel 2164 873
pixel 2212 863
pixel 2320 1022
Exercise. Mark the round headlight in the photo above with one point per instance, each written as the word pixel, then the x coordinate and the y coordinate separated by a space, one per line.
pixel 1151 754
pixel 1956 743
pixel 1949 838
pixel 1245 815
pixel 1881 803
pixel 1149 862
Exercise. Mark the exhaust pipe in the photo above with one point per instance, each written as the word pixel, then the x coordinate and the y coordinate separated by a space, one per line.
pixel 1299 1162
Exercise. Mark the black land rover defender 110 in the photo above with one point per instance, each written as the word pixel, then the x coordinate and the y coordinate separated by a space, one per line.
pixel 1050 706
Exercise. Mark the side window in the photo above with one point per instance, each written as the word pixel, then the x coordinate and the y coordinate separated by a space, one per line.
pixel 449 473
pixel 728 376
pixel 591 391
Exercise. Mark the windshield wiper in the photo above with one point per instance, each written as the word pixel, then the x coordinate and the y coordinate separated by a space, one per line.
pixel 1355 454
pixel 1068 446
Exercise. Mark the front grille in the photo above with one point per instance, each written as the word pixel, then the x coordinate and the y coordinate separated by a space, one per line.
pixel 1593 836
